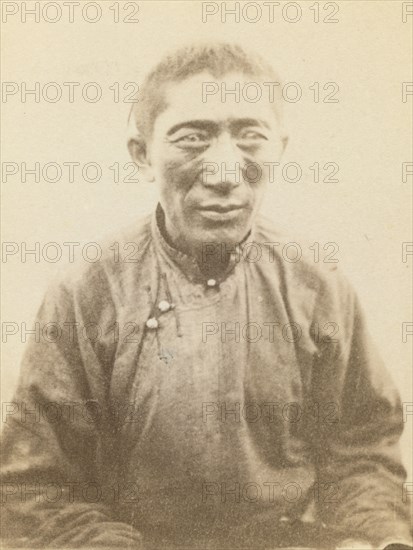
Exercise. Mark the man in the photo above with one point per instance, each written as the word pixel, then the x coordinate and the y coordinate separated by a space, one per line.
pixel 233 440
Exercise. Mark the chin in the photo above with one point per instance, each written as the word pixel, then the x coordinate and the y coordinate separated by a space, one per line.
pixel 222 234
pixel 221 237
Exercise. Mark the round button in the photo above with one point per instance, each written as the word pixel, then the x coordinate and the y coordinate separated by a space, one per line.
pixel 164 306
pixel 284 519
pixel 211 282
pixel 152 323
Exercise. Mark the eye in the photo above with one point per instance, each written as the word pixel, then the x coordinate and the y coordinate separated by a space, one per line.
pixel 190 139
pixel 251 135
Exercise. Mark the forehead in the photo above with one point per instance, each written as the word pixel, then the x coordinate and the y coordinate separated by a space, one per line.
pixel 231 97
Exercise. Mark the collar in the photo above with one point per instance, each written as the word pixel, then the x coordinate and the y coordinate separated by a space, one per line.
pixel 188 264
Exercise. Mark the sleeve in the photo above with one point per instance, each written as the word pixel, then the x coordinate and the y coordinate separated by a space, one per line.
pixel 358 455
pixel 58 439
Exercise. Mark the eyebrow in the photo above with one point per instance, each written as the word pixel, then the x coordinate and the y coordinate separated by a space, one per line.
pixel 235 124
pixel 239 123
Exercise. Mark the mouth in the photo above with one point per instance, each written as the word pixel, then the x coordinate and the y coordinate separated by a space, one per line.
pixel 221 208
pixel 219 212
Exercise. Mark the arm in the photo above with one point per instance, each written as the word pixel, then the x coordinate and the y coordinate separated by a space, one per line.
pixel 359 454
pixel 56 459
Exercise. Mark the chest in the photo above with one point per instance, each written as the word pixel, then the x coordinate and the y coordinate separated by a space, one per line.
pixel 222 359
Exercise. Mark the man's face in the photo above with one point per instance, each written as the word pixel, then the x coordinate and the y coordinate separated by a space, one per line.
pixel 208 159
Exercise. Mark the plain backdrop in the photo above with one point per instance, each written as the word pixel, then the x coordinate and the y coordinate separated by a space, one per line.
pixel 368 134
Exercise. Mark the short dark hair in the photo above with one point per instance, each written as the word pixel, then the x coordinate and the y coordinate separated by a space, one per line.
pixel 218 59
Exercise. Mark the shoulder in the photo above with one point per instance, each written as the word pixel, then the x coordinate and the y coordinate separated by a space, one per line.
pixel 301 263
pixel 111 262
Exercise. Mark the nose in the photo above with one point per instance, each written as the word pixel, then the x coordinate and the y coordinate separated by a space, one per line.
pixel 222 164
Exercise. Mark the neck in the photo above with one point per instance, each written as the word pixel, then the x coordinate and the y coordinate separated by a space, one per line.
pixel 212 261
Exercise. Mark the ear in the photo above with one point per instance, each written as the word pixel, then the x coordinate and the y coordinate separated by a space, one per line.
pixel 138 150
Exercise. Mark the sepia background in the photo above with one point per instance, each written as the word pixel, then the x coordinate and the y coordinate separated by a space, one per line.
pixel 367 134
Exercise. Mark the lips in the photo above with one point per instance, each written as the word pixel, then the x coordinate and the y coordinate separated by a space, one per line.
pixel 221 208
pixel 218 214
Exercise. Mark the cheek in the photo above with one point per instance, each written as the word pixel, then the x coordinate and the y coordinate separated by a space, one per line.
pixel 258 191
pixel 176 178
pixel 267 163
pixel 179 171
